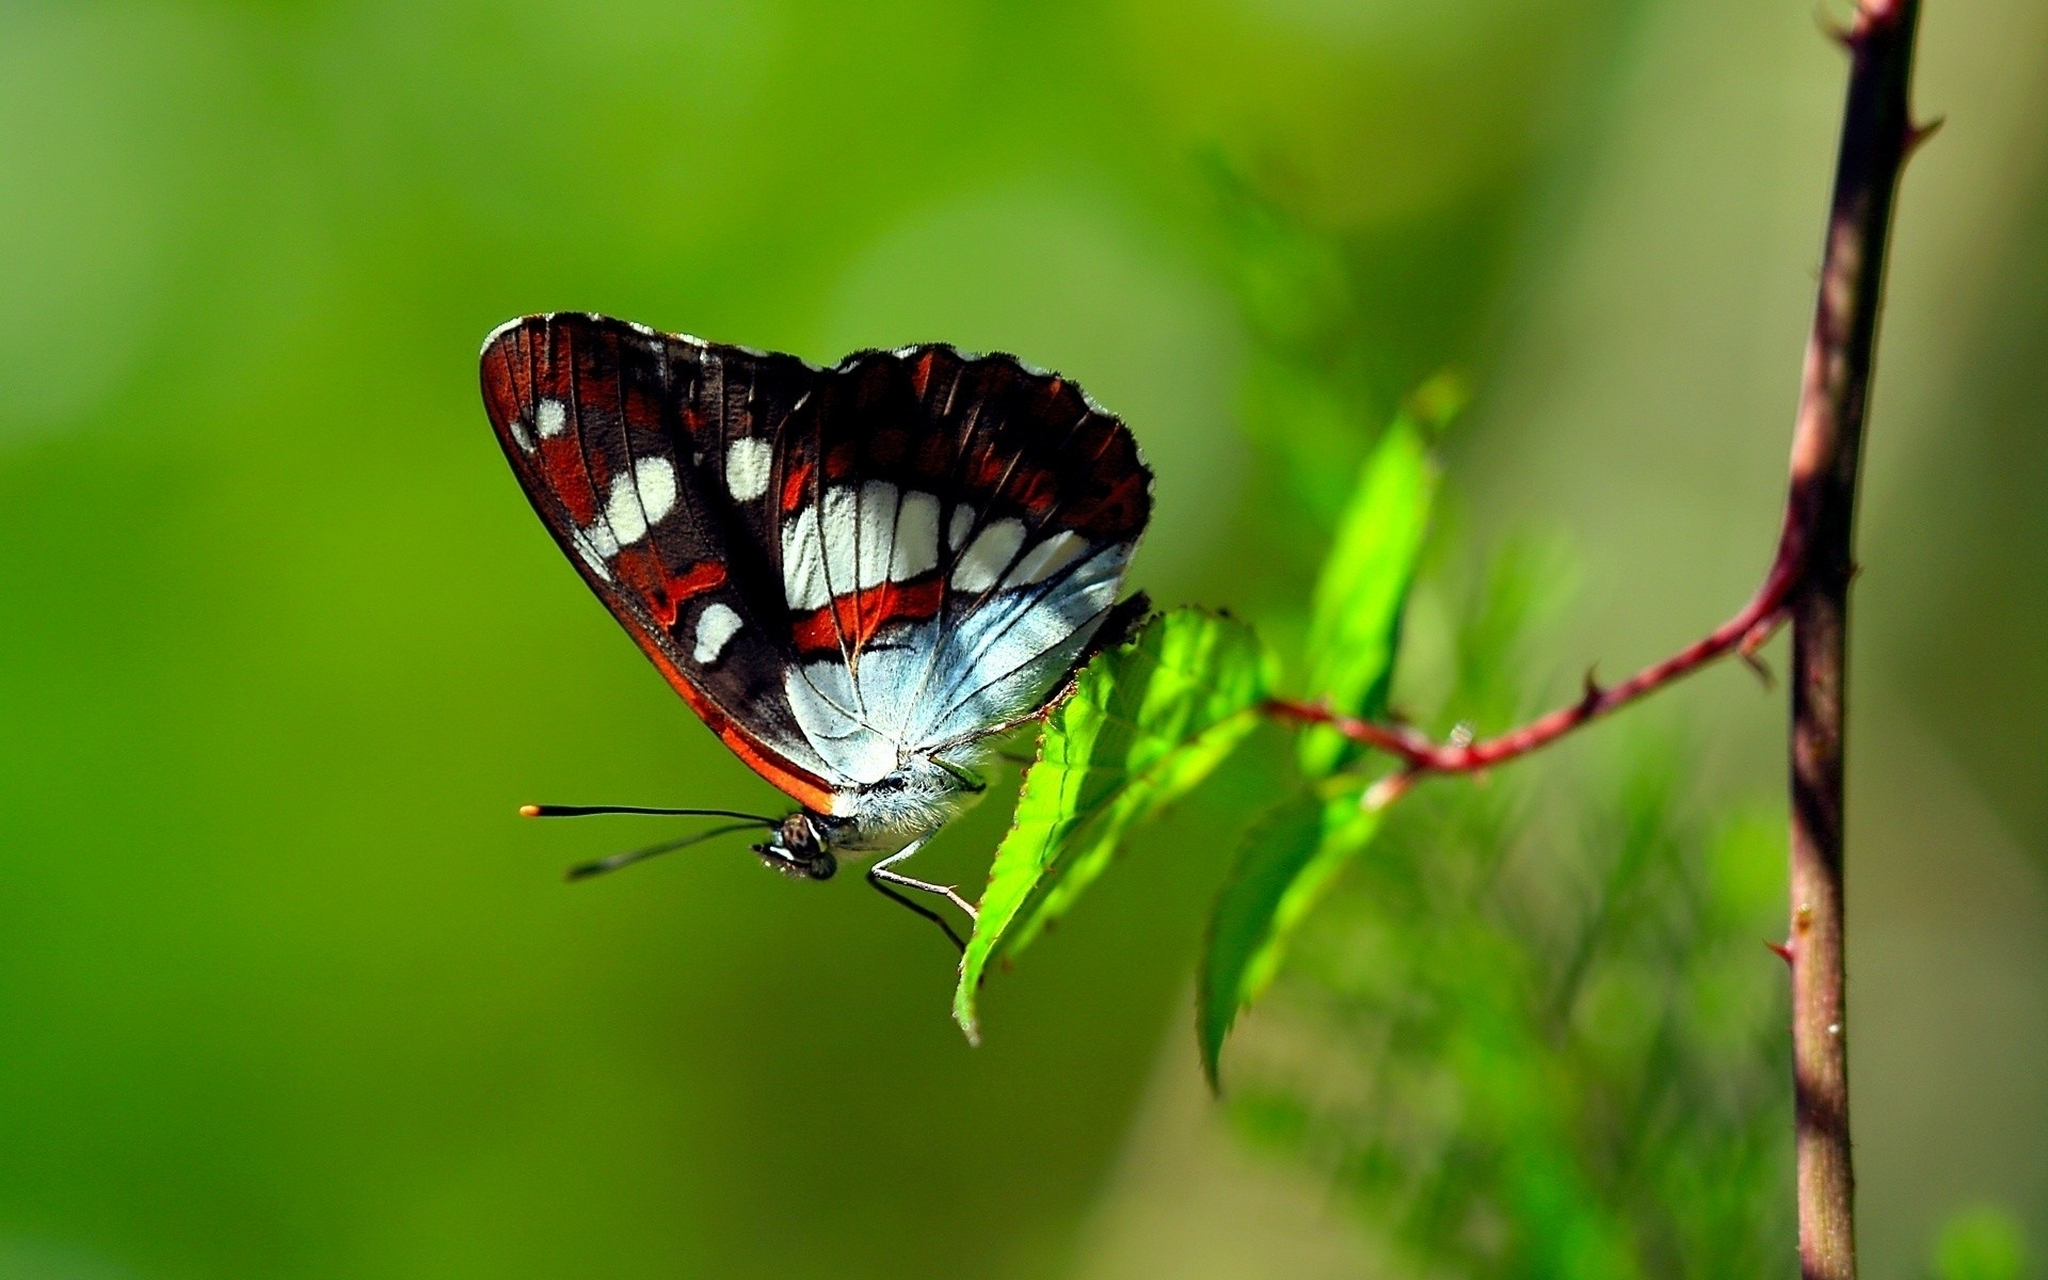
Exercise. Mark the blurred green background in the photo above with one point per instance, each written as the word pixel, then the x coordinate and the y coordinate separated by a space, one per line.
pixel 286 990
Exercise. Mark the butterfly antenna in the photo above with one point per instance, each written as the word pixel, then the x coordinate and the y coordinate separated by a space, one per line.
pixel 590 810
pixel 586 870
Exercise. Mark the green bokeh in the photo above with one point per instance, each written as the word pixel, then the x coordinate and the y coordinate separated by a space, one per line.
pixel 285 989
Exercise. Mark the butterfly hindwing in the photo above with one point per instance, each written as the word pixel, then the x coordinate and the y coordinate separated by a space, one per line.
pixel 834 567
pixel 965 529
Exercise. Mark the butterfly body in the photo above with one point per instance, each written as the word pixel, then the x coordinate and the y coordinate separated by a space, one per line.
pixel 856 576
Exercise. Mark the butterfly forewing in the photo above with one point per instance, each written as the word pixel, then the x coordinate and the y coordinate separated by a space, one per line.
pixel 611 432
pixel 834 567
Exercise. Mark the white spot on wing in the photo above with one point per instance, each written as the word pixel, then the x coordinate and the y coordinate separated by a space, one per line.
pixel 747 462
pixel 877 532
pixel 591 549
pixel 655 479
pixel 917 537
pixel 956 529
pixel 841 536
pixel 1046 559
pixel 990 553
pixel 716 627
pixel 521 434
pixel 622 512
pixel 552 418
pixel 803 568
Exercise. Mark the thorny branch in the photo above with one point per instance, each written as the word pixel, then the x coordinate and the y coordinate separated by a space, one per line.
pixel 1746 631
pixel 1770 607
pixel 1878 134
pixel 1808 585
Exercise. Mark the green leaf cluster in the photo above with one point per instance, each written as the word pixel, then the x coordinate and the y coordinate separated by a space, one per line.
pixel 1537 1050
pixel 1146 722
pixel 1289 858
pixel 1286 863
pixel 1545 1039
pixel 1149 721
pixel 1525 1032
pixel 1363 587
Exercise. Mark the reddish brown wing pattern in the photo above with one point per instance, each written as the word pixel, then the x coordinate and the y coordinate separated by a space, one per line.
pixel 989 438
pixel 744 514
pixel 610 428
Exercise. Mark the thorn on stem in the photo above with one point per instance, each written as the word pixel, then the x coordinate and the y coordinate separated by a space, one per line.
pixel 1387 790
pixel 1592 692
pixel 1834 31
pixel 1782 950
pixel 1756 638
pixel 1918 134
pixel 1762 668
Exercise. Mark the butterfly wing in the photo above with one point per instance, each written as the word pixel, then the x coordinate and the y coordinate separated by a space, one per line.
pixel 621 438
pixel 954 529
pixel 835 568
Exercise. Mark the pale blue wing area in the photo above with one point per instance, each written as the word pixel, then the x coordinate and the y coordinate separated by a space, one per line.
pixel 828 710
pixel 991 659
pixel 1000 662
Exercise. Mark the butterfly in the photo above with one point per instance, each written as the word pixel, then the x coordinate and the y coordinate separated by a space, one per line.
pixel 857 577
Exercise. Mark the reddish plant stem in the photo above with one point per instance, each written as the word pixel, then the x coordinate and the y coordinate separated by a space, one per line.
pixel 1808 584
pixel 1827 433
pixel 1745 631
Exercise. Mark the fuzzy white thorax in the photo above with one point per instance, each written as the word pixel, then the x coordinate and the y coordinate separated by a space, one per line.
pixel 909 803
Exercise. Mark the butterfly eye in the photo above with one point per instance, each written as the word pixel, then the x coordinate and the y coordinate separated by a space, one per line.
pixel 812 864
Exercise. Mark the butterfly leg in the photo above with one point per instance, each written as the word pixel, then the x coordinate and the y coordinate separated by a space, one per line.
pixel 952 935
pixel 880 872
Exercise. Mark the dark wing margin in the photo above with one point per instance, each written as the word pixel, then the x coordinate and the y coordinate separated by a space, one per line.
pixel 623 440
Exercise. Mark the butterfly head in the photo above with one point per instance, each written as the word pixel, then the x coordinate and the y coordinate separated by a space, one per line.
pixel 880 817
pixel 797 849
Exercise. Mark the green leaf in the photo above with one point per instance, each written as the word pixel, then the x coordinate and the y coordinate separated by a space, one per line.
pixel 1146 722
pixel 1285 865
pixel 1364 584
